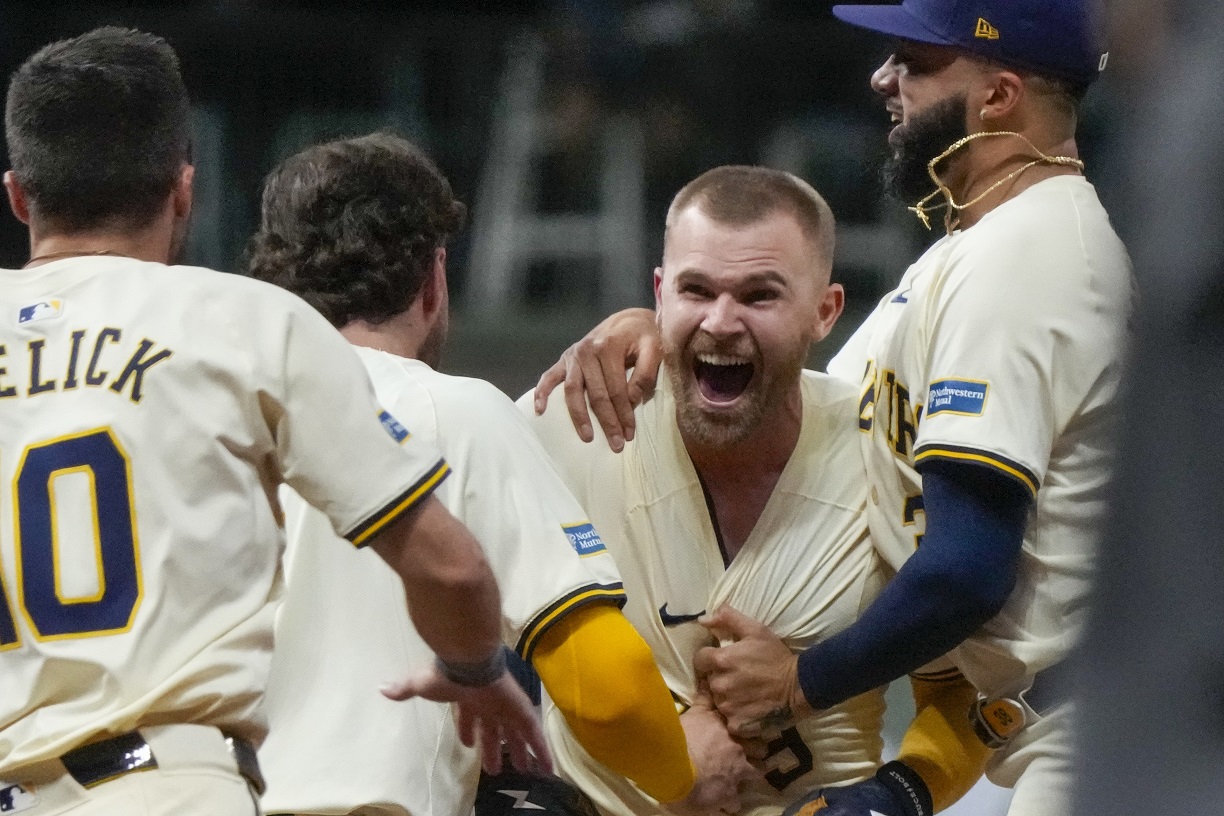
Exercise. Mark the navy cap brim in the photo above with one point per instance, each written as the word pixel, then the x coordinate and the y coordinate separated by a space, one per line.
pixel 894 21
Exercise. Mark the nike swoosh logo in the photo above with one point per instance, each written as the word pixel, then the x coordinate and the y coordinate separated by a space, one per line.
pixel 676 620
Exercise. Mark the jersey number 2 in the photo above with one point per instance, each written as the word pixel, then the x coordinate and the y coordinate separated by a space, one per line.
pixel 50 610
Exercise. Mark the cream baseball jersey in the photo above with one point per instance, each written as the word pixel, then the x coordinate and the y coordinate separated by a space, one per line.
pixel 336 744
pixel 1003 346
pixel 806 570
pixel 147 415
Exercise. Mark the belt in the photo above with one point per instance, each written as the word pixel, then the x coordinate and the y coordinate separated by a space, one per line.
pixel 108 759
pixel 1051 686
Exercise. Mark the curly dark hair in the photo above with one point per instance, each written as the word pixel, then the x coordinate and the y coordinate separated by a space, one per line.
pixel 98 128
pixel 352 225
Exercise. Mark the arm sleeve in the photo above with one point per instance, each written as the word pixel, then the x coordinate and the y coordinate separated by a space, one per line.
pixel 957 580
pixel 940 745
pixel 602 676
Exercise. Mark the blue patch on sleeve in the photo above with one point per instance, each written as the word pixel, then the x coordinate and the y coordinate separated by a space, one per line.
pixel 967 397
pixel 393 427
pixel 583 538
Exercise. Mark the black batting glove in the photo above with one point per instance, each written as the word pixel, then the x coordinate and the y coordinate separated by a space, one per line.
pixel 895 790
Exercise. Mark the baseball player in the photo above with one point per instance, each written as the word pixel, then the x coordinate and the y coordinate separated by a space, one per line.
pixel 742 488
pixel 358 228
pixel 147 414
pixel 988 390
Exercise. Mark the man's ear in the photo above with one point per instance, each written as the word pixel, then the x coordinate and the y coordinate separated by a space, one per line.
pixel 182 194
pixel 830 308
pixel 1001 98
pixel 17 197
pixel 434 294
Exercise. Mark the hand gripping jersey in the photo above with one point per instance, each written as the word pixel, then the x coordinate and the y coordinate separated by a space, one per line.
pixel 806 571
pixel 1002 346
pixel 336 744
pixel 147 415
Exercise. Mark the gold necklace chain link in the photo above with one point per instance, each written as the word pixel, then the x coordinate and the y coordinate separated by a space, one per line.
pixel 72 253
pixel 921 210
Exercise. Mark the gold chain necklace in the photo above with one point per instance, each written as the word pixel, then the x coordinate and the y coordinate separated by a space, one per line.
pixel 70 253
pixel 921 210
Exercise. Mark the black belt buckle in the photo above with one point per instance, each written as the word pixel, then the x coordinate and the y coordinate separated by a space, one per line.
pixel 102 761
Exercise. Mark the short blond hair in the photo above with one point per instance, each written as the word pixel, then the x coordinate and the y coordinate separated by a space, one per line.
pixel 740 195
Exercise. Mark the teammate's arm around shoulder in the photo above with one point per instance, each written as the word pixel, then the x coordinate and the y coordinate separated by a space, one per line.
pixel 456 607
pixel 595 371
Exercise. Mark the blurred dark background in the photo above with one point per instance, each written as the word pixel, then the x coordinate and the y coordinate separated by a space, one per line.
pixel 567 125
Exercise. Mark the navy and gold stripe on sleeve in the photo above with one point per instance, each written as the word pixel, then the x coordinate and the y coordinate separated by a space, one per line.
pixel 578 598
pixel 955 453
pixel 364 532
pixel 945 676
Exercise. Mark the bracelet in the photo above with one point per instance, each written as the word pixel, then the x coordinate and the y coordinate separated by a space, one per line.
pixel 474 675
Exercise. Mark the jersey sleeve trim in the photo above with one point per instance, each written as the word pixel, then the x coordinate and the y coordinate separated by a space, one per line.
pixel 541 623
pixel 365 531
pixel 945 676
pixel 1007 467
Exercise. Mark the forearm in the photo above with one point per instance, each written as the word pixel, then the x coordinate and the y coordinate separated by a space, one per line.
pixel 940 744
pixel 602 676
pixel 957 580
pixel 453 598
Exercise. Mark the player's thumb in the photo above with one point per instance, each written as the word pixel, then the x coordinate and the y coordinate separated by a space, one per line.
pixel 728 624
pixel 421 684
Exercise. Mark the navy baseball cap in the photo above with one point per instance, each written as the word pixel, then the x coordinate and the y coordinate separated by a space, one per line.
pixel 1061 38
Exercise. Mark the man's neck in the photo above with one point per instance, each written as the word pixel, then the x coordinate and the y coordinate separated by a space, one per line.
pixel 396 335
pixel 740 478
pixel 151 244
pixel 993 160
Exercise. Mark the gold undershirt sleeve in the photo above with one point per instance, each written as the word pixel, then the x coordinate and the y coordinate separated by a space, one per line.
pixel 940 744
pixel 603 678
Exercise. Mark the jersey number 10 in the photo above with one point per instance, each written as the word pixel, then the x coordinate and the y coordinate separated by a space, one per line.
pixel 50 611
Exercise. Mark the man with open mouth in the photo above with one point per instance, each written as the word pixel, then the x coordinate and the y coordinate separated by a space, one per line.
pixel 742 487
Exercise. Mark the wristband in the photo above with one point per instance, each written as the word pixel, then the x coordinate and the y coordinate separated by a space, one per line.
pixel 474 675
pixel 907 787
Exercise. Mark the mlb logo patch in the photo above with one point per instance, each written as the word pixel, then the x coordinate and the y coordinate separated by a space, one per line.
pixel 393 427
pixel 15 798
pixel 965 397
pixel 583 538
pixel 42 310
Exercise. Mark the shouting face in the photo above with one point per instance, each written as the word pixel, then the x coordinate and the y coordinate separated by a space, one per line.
pixel 738 306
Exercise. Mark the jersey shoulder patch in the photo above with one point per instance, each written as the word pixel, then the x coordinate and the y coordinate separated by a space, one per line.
pixel 964 397
pixel 584 538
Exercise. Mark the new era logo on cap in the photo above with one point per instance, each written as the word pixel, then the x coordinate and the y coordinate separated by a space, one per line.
pixel 985 31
